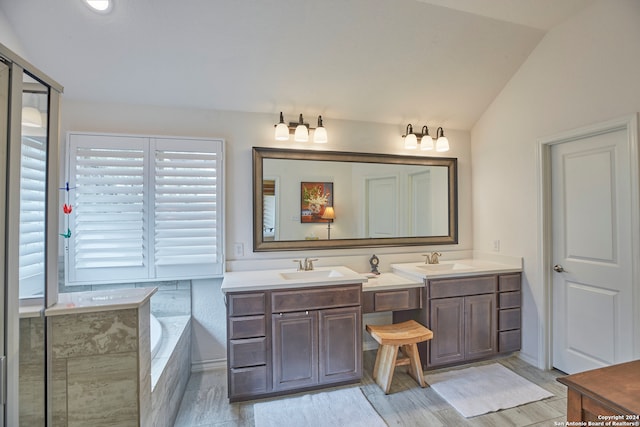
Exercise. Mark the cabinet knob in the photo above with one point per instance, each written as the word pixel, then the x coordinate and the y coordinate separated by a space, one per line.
pixel 306 312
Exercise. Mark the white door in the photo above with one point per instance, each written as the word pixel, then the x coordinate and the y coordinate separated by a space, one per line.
pixel 421 203
pixel 382 207
pixel 592 251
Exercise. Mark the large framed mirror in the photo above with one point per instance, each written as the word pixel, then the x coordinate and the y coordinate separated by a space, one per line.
pixel 306 199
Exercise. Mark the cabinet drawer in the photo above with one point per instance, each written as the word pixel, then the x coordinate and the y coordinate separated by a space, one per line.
pixel 510 300
pixel 247 381
pixel 317 298
pixel 509 282
pixel 248 352
pixel 402 299
pixel 247 327
pixel 444 288
pixel 509 319
pixel 509 341
pixel 246 304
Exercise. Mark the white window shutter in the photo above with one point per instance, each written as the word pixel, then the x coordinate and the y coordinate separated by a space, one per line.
pixel 108 223
pixel 186 205
pixel 144 209
pixel 33 180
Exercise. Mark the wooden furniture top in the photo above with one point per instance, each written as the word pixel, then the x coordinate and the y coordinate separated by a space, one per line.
pixel 409 332
pixel 616 386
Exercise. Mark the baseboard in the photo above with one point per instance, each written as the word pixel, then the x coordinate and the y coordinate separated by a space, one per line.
pixel 209 365
pixel 369 345
pixel 529 359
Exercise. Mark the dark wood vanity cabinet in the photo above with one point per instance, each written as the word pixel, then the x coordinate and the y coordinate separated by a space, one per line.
pixel 509 312
pixel 462 315
pixel 472 318
pixel 313 339
pixel 247 344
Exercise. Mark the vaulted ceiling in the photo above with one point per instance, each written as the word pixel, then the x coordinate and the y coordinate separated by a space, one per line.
pixel 388 61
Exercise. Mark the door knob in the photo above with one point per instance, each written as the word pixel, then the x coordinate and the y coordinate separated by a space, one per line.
pixel 558 268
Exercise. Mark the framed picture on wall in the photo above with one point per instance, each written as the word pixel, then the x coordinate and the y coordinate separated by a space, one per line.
pixel 315 197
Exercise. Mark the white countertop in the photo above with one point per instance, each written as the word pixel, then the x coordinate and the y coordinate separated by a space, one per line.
pixel 387 281
pixel 454 268
pixel 92 301
pixel 240 281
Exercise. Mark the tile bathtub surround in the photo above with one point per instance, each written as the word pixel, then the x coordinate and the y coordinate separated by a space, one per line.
pixel 32 373
pixel 171 370
pixel 101 368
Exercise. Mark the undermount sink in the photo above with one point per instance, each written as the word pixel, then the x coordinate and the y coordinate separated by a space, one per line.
pixel 445 267
pixel 312 274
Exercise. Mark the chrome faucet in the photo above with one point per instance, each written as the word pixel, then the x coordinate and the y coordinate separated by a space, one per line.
pixel 432 258
pixel 306 264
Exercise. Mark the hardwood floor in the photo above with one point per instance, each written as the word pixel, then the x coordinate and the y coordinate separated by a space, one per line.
pixel 205 402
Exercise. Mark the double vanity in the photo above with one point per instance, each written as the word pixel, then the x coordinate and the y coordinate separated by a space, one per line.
pixel 289 330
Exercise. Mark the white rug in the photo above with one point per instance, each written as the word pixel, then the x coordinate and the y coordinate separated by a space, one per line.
pixel 339 408
pixel 482 389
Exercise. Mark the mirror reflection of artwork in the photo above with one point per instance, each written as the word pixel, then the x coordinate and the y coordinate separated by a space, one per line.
pixel 315 197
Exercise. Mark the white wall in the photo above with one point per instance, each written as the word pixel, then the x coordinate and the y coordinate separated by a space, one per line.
pixel 8 37
pixel 242 131
pixel 583 72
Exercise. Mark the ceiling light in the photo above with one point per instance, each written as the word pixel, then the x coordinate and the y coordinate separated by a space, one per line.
pixel 102 6
pixel 422 139
pixel 31 117
pixel 300 130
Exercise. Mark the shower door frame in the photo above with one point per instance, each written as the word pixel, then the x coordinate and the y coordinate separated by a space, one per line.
pixel 9 295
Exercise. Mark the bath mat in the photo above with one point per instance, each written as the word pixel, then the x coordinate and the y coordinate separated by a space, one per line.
pixel 339 408
pixel 482 389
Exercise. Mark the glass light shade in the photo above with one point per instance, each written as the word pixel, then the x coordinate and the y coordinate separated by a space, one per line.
pixel 442 144
pixel 426 143
pixel 31 117
pixel 302 134
pixel 282 132
pixel 410 142
pixel 320 135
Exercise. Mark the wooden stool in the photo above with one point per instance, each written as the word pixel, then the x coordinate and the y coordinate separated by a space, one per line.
pixel 403 335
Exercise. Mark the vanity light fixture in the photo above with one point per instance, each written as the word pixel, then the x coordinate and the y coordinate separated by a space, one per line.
pixel 442 143
pixel 300 130
pixel 422 139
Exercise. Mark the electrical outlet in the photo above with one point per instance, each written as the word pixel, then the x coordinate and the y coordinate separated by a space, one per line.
pixel 496 245
pixel 238 249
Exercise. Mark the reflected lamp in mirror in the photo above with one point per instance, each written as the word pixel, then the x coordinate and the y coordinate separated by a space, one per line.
pixel 422 139
pixel 329 214
pixel 31 117
pixel 300 130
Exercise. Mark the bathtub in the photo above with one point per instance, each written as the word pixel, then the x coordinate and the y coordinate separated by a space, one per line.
pixel 156 335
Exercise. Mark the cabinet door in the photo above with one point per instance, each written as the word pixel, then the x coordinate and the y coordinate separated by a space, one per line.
pixel 480 326
pixel 295 350
pixel 447 324
pixel 340 336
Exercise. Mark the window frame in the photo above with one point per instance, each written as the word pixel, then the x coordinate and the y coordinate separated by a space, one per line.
pixel 148 271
